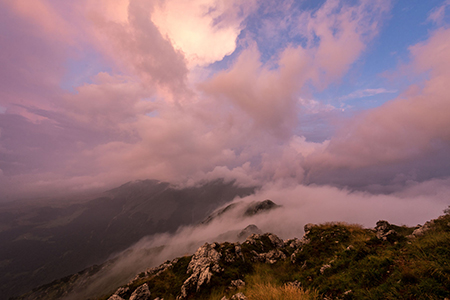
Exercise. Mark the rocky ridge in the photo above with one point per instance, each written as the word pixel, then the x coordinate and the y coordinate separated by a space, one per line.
pixel 318 254
pixel 333 260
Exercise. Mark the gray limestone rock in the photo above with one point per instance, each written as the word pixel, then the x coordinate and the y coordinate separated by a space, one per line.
pixel 239 296
pixel 202 266
pixel 323 268
pixel 121 291
pixel 296 284
pixel 272 256
pixel 141 293
pixel 308 227
pixel 421 230
pixel 384 231
pixel 237 284
pixel 276 241
pixel 233 254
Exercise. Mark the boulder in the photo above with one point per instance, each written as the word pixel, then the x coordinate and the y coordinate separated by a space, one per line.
pixel 237 284
pixel 239 296
pixel 121 291
pixel 204 263
pixel 141 293
pixel 385 232
pixel 421 230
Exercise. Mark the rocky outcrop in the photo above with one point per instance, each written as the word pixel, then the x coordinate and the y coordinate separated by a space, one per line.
pixel 268 248
pixel 242 210
pixel 239 296
pixel 219 213
pixel 141 293
pixel 324 267
pixel 156 270
pixel 234 254
pixel 259 207
pixel 222 267
pixel 385 232
pixel 249 230
pixel 237 284
pixel 421 230
pixel 120 293
pixel 270 257
pixel 258 241
pixel 202 266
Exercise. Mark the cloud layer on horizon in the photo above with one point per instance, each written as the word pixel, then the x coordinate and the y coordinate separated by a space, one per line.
pixel 185 94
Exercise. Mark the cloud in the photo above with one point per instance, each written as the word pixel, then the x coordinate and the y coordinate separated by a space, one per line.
pixel 366 93
pixel 300 205
pixel 437 15
pixel 311 106
pixel 138 47
pixel 240 121
pixel 336 35
pixel 45 16
pixel 204 30
pixel 143 116
pixel 341 32
pixel 413 126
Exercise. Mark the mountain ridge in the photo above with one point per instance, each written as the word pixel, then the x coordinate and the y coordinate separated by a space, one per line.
pixel 331 261
pixel 45 242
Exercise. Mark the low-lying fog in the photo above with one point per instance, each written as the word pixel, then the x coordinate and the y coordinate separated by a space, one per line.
pixel 300 204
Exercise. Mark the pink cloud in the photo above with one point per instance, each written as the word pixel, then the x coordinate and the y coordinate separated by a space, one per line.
pixel 139 48
pixel 266 96
pixel 413 125
pixel 343 32
pixel 240 122
pixel 45 16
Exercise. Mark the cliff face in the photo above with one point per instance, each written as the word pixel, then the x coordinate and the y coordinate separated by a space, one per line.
pixel 330 261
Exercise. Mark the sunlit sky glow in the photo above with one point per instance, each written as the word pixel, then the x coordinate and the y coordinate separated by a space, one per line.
pixel 346 93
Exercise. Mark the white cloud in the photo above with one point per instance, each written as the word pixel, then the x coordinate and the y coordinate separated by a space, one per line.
pixel 437 15
pixel 366 93
pixel 311 106
pixel 205 30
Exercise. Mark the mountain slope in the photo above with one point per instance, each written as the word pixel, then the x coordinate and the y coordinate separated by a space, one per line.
pixel 330 261
pixel 333 261
pixel 41 243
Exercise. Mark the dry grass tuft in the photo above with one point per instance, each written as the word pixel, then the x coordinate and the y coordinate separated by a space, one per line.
pixel 269 291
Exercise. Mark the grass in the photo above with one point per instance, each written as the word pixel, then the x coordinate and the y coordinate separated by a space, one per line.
pixel 361 267
pixel 270 291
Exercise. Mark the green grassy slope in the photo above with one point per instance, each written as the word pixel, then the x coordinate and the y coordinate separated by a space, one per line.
pixel 332 261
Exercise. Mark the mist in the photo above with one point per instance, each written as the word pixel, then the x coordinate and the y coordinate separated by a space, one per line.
pixel 300 204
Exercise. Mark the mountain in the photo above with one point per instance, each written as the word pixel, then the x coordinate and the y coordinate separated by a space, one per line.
pixel 330 261
pixel 97 280
pixel 41 242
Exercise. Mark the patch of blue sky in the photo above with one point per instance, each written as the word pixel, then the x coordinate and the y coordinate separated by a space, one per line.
pixel 153 114
pixel 273 30
pixel 82 69
pixel 308 5
pixel 407 26
pixel 227 61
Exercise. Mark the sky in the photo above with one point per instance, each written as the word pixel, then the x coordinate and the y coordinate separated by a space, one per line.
pixel 350 94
